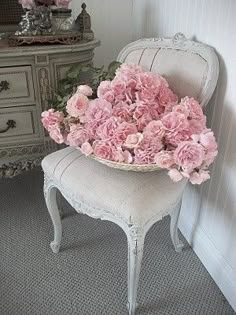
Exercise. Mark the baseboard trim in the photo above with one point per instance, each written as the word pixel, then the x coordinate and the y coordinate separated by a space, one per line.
pixel 223 275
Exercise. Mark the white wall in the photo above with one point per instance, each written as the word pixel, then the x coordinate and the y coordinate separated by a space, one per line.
pixel 111 23
pixel 208 218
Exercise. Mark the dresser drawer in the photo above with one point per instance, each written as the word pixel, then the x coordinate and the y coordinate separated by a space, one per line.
pixel 16 86
pixel 19 123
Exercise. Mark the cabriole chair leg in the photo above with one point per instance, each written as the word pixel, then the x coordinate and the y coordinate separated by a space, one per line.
pixel 135 254
pixel 51 202
pixel 174 218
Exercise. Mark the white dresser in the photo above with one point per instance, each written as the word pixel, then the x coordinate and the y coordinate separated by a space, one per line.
pixel 28 76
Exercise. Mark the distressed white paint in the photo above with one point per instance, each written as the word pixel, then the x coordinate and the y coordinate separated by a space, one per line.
pixel 209 212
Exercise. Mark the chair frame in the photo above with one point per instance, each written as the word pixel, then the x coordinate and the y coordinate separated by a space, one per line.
pixel 135 233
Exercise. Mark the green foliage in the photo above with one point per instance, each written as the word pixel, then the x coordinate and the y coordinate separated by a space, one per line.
pixel 81 74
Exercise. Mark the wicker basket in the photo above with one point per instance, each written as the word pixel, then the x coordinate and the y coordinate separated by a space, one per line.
pixel 125 166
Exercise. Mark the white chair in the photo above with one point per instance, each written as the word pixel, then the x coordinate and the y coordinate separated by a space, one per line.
pixel 134 201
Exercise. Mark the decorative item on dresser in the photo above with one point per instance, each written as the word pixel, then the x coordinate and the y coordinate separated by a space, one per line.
pixel 28 76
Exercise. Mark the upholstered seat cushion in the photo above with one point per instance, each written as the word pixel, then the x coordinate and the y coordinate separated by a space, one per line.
pixel 133 196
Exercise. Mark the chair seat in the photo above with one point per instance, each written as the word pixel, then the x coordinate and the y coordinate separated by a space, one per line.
pixel 133 196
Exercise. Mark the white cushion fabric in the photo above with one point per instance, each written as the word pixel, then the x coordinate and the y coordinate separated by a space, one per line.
pixel 133 196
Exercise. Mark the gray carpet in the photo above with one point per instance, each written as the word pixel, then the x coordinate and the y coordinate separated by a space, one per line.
pixel 88 276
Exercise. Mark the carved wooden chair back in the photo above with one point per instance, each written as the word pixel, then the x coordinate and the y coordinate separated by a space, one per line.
pixel 191 68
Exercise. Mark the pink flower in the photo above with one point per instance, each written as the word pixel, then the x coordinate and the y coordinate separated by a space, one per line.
pixel 122 132
pixel 154 128
pixel 77 105
pixel 77 136
pixel 145 153
pixel 193 107
pixel 189 155
pixel 56 134
pixel 174 122
pixel 175 175
pixel 127 157
pixel 86 148
pixel 50 118
pixel 199 177
pixel 123 111
pixel 128 70
pixel 107 129
pixel 104 87
pixel 177 137
pixel 118 87
pixel 27 4
pixel 181 109
pixel 85 90
pixel 207 140
pixel 103 150
pixel 98 110
pixel 133 140
pixel 62 3
pixel 142 115
pixel 148 84
pixel 118 155
pixel 164 159
pixel 166 96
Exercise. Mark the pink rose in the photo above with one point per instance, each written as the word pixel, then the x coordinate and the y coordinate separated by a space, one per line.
pixel 118 87
pixel 193 107
pixel 154 128
pixel 133 140
pixel 196 178
pixel 207 140
pixel 86 148
pixel 77 105
pixel 50 118
pixel 166 96
pixel 181 109
pixel 103 150
pixel 109 97
pixel 103 88
pixel 98 110
pixel 197 125
pixel 118 155
pixel 177 137
pixel 122 132
pixel 175 175
pixel 56 134
pixel 77 136
pixel 189 155
pixel 127 157
pixel 128 70
pixel 27 4
pixel 142 115
pixel 148 84
pixel 122 111
pixel 85 90
pixel 145 153
pixel 107 129
pixel 174 122
pixel 62 3
pixel 164 159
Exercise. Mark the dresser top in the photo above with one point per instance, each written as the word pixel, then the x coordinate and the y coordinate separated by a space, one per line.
pixel 7 51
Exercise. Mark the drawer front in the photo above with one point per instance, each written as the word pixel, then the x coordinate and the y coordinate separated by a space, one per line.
pixel 16 85
pixel 18 124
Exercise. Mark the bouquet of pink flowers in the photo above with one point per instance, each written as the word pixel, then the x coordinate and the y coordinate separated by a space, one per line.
pixel 137 119
pixel 30 4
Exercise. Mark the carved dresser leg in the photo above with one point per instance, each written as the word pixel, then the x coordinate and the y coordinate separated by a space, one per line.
pixel 50 193
pixel 135 254
pixel 174 218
